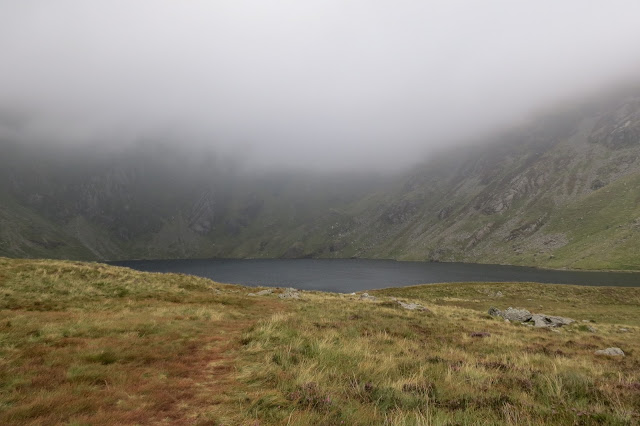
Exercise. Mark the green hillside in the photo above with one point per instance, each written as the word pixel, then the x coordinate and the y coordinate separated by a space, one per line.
pixel 560 192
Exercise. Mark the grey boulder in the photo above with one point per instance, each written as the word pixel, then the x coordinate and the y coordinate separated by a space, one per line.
pixel 365 296
pixel 290 293
pixel 511 314
pixel 610 352
pixel 412 306
pixel 524 316
pixel 549 321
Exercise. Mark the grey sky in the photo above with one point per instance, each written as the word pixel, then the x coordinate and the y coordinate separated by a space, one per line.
pixel 339 83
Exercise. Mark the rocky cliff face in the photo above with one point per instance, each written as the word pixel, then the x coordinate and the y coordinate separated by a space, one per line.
pixel 563 191
pixel 523 207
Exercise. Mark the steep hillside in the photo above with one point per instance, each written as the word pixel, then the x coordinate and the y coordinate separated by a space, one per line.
pixel 560 192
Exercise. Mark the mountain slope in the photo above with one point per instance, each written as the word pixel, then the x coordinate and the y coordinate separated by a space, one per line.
pixel 560 192
pixel 540 196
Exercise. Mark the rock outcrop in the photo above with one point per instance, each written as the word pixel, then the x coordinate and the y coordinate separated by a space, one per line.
pixel 540 320
pixel 366 296
pixel 610 352
pixel 511 314
pixel 290 293
pixel 524 316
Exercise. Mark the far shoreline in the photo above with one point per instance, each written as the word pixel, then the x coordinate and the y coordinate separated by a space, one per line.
pixel 354 275
pixel 543 268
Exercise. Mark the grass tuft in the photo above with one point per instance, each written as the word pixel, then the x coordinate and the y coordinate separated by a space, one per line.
pixel 92 344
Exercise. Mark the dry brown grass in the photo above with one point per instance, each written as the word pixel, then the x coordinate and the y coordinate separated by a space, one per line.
pixel 92 344
pixel 336 358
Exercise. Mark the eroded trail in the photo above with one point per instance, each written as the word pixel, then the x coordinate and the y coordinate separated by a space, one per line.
pixel 91 344
pixel 217 383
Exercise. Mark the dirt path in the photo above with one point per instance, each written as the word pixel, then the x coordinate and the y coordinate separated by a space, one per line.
pixel 214 369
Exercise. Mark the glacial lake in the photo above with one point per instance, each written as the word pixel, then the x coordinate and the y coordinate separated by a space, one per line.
pixel 349 275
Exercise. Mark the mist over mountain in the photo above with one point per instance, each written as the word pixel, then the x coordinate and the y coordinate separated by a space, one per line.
pixel 560 191
pixel 182 137
pixel 498 132
pixel 328 85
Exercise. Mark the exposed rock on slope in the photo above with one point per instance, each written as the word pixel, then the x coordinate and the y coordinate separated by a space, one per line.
pixel 524 316
pixel 610 352
pixel 560 192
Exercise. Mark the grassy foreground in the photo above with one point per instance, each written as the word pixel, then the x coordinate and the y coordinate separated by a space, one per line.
pixel 88 343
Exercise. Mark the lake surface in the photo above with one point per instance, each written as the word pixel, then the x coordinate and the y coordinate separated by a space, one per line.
pixel 349 275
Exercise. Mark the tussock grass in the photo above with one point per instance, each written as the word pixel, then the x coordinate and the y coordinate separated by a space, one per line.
pixel 341 360
pixel 93 344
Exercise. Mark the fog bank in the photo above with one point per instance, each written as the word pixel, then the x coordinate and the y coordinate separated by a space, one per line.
pixel 319 84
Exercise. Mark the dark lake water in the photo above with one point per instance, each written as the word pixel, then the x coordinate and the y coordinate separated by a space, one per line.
pixel 349 275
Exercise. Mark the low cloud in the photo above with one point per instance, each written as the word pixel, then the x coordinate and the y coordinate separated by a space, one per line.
pixel 325 84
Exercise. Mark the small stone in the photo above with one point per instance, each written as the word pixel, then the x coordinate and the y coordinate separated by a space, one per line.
pixel 289 293
pixel 412 306
pixel 610 352
pixel 623 330
pixel 494 311
pixel 365 296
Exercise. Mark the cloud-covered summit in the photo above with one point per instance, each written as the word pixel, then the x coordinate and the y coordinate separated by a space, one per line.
pixel 331 83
